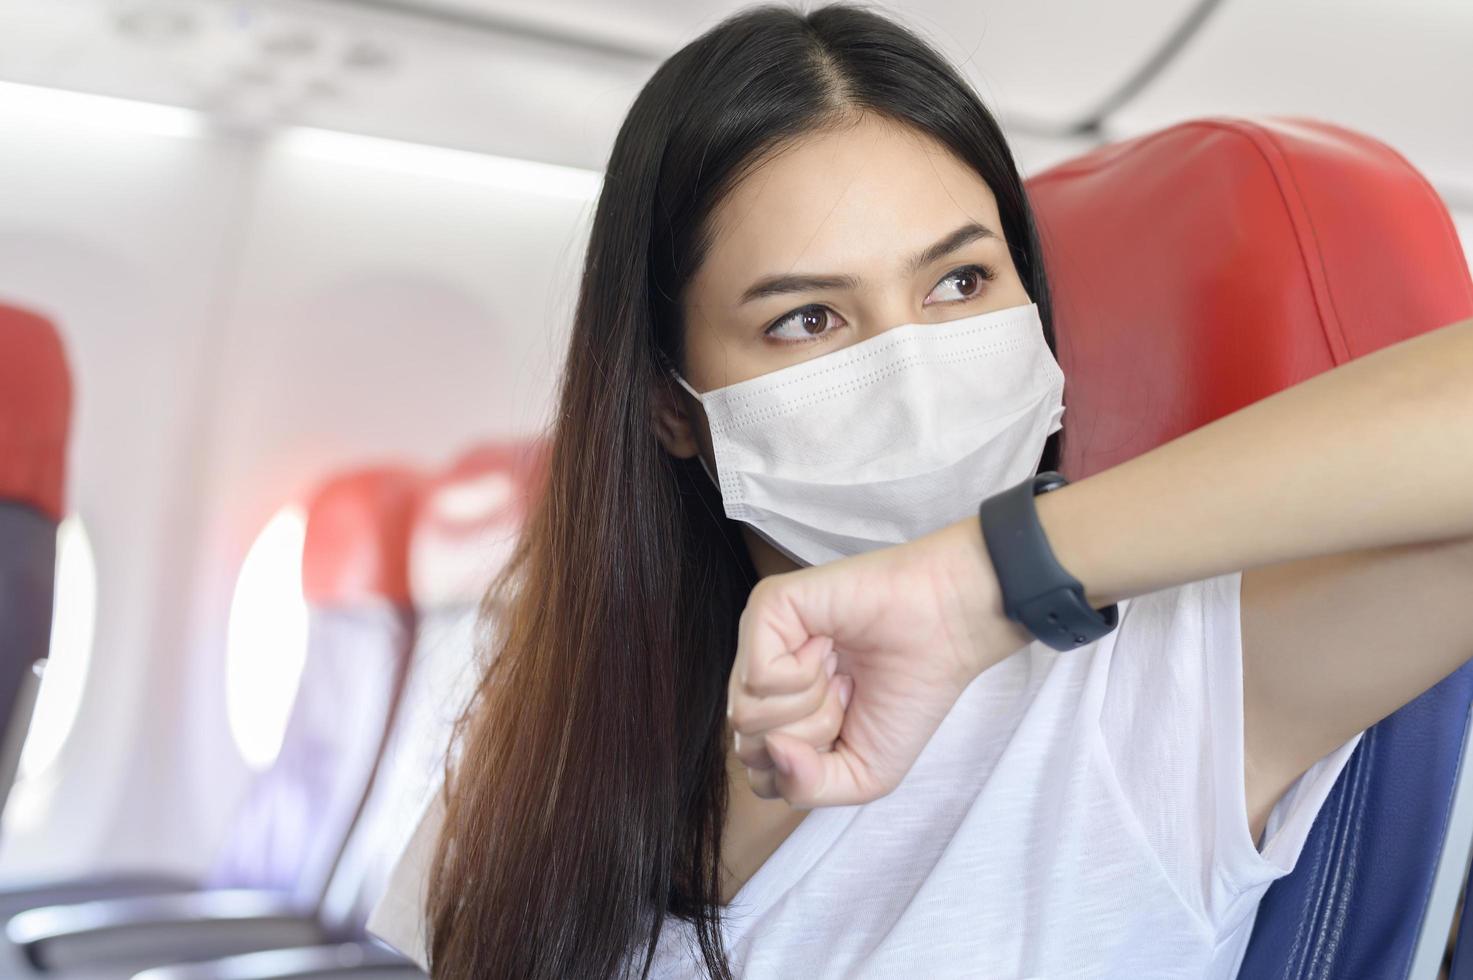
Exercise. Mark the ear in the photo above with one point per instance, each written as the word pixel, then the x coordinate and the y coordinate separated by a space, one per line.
pixel 672 419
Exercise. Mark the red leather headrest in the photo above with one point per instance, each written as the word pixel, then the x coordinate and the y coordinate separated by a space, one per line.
pixel 1203 267
pixel 469 521
pixel 357 541
pixel 35 412
pixel 524 460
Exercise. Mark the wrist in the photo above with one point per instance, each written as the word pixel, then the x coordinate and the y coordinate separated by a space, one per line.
pixel 978 620
pixel 1057 517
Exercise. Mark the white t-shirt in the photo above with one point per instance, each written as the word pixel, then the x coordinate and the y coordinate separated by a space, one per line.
pixel 1076 814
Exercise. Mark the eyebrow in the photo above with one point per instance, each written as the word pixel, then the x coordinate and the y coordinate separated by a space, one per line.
pixel 777 285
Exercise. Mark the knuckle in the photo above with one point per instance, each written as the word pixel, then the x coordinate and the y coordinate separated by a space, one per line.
pixel 754 757
pixel 752 753
pixel 739 714
pixel 761 782
pixel 756 599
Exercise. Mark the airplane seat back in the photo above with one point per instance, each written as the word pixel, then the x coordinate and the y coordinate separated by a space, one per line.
pixel 1203 267
pixel 464 533
pixel 35 419
pixel 290 831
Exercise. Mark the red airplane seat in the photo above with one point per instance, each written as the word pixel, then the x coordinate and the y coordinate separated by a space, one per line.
pixel 272 870
pixel 35 416
pixel 464 532
pixel 463 535
pixel 462 529
pixel 470 522
pixel 288 834
pixel 1196 270
pixel 1203 267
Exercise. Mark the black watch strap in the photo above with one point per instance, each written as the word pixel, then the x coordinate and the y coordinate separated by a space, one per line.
pixel 1037 591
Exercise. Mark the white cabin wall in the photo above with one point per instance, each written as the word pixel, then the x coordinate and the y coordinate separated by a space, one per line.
pixel 378 313
pixel 119 235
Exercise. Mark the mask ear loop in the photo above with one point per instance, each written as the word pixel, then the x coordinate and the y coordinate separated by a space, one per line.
pixel 686 385
pixel 670 368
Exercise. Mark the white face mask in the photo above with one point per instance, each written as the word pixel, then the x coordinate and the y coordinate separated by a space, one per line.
pixel 888 439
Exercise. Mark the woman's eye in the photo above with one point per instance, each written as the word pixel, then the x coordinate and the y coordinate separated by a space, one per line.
pixel 969 280
pixel 814 322
pixel 809 323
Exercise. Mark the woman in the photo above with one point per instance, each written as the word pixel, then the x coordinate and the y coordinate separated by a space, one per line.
pixel 872 771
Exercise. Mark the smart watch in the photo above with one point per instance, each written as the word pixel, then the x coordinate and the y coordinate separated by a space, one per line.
pixel 1037 592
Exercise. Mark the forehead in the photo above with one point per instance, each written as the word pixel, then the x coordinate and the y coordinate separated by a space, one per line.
pixel 857 199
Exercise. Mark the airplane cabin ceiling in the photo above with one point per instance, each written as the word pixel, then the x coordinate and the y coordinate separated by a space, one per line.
pixel 253 65
pixel 1046 64
pixel 549 80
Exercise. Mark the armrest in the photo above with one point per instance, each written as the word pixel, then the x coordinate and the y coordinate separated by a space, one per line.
pixel 16 896
pixel 356 959
pixel 156 929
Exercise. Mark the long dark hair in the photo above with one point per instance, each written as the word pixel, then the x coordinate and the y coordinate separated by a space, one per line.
pixel 586 794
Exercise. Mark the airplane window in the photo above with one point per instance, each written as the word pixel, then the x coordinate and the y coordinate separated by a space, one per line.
pixel 73 610
pixel 266 644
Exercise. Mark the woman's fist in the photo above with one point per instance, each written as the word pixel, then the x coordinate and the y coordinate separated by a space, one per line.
pixel 812 715
pixel 843 671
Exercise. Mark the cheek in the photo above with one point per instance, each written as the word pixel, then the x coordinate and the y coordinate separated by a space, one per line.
pixel 1014 291
pixel 717 360
pixel 707 355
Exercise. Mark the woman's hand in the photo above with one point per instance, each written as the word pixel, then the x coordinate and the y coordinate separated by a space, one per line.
pixel 909 627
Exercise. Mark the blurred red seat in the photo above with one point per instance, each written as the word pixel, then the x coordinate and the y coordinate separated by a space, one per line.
pixel 35 417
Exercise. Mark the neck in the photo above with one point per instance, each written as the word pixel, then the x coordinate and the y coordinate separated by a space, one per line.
pixel 765 558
